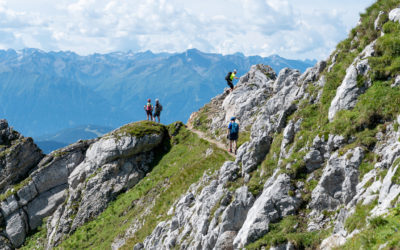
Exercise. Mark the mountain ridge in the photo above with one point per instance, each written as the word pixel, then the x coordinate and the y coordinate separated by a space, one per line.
pixel 317 166
pixel 109 89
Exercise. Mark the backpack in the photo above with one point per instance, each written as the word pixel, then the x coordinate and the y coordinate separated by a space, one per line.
pixel 228 76
pixel 158 108
pixel 149 107
pixel 234 128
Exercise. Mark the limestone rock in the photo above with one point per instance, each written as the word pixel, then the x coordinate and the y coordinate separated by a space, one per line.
pixel 273 204
pixel 338 182
pixel 312 74
pixel 108 167
pixel 16 228
pixel 18 156
pixel 394 15
pixel 379 21
pixel 351 87
pixel 44 205
pixel 396 82
pixel 313 160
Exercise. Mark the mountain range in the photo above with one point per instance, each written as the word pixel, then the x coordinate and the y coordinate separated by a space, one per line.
pixel 316 166
pixel 45 92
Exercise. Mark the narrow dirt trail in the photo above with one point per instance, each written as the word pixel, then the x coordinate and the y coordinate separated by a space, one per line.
pixel 217 143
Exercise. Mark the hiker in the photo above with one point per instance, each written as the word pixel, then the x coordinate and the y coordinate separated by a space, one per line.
pixel 229 78
pixel 157 110
pixel 233 134
pixel 149 109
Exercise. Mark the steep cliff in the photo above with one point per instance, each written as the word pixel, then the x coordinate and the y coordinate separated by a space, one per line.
pixel 320 165
pixel 317 166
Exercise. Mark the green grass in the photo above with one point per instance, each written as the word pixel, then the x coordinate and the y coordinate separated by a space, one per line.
pixel 267 167
pixel 139 129
pixel 15 189
pixel 292 229
pixel 176 170
pixel 358 219
pixel 37 238
pixel 367 164
pixel 244 136
pixel 202 120
pixel 396 176
pixel 380 231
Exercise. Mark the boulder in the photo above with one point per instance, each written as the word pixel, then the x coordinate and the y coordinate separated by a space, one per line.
pixel 273 204
pixel 339 180
pixel 45 204
pixel 16 228
pixel 9 206
pixel 394 15
pixel 313 160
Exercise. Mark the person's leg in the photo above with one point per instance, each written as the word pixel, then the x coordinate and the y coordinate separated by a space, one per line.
pixel 230 145
pixel 231 86
pixel 235 146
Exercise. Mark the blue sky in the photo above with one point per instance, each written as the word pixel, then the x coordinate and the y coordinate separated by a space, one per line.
pixel 291 28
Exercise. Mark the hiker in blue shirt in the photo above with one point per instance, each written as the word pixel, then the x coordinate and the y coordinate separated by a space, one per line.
pixel 233 134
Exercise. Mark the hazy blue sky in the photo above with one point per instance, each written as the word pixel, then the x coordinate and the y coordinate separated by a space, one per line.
pixel 290 28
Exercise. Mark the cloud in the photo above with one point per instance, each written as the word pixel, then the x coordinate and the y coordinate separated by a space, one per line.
pixel 262 27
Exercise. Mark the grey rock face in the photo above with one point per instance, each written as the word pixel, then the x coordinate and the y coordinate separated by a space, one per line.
pixel 45 204
pixel 351 88
pixel 312 74
pixel 379 20
pixel 196 216
pixel 16 228
pixel 252 91
pixel 338 182
pixel 109 167
pixel 394 15
pixel 272 118
pixel 273 204
pixel 313 160
pixel 18 156
pixel 396 82
pixel 41 196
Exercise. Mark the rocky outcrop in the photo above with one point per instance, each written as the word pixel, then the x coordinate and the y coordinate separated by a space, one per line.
pixel 75 184
pixel 111 165
pixel 338 182
pixel 45 189
pixel 222 219
pixel 199 220
pixel 18 156
pixel 354 84
pixel 394 15
pixel 273 204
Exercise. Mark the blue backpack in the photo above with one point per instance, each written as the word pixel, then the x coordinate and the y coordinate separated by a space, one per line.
pixel 234 128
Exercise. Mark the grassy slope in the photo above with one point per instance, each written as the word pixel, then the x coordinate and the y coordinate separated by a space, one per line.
pixel 379 105
pixel 175 171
